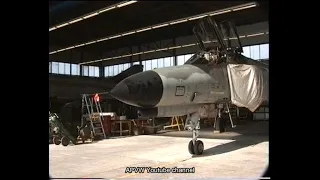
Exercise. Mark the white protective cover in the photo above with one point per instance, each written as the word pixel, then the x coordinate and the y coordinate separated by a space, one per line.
pixel 249 85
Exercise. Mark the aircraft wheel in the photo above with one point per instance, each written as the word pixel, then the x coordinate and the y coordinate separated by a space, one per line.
pixel 190 147
pixel 65 141
pixel 56 140
pixel 198 147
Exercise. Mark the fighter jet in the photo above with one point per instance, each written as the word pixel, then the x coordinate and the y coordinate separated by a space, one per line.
pixel 205 86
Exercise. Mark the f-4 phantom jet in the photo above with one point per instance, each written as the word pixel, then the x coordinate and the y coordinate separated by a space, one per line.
pixel 205 86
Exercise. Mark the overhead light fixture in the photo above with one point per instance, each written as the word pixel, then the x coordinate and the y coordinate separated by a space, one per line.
pixel 61 25
pixel 214 41
pixel 187 45
pixel 116 57
pixel 69 48
pixel 114 36
pixel 212 13
pixel 125 34
pixel 53 28
pixel 244 7
pixel 126 3
pixel 197 17
pixel 61 50
pixel 220 12
pixel 76 20
pixel 91 42
pixel 135 54
pixel 128 55
pixel 179 21
pixel 175 47
pixel 104 39
pixel 256 34
pixel 95 13
pixel 159 26
pixel 145 29
pixel 79 45
pixel 107 9
pixel 146 52
pixel 90 15
pixel 165 49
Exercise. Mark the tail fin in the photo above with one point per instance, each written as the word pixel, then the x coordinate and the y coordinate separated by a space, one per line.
pixel 128 72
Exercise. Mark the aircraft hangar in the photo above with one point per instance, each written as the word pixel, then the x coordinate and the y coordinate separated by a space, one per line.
pixel 94 45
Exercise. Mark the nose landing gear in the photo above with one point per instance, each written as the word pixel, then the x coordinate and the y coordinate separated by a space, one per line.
pixel 193 124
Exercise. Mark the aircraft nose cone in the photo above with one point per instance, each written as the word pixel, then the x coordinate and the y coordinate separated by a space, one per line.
pixel 143 89
pixel 120 91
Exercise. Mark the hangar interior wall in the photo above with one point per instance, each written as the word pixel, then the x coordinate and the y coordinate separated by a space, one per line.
pixel 70 83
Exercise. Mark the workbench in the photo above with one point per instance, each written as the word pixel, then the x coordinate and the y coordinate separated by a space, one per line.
pixel 141 122
pixel 120 130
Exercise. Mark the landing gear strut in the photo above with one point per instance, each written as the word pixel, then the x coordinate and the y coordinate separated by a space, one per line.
pixel 193 124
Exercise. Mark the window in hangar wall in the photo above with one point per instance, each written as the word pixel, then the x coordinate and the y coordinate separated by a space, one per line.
pixel 256 52
pixel 157 63
pixel 75 69
pixel 183 58
pixel 71 69
pixel 59 68
pixel 91 71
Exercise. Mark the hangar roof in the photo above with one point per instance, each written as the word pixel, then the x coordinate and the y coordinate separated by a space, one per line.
pixel 135 16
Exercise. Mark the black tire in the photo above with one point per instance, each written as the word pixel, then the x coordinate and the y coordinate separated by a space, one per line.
pixel 65 141
pixel 82 138
pixel 56 140
pixel 190 147
pixel 198 147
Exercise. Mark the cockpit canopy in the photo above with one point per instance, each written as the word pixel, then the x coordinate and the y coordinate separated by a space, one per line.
pixel 210 35
pixel 217 43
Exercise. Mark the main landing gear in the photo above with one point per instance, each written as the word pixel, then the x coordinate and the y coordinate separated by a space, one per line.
pixel 193 124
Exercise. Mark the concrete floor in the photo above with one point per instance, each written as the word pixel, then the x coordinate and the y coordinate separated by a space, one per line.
pixel 239 156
